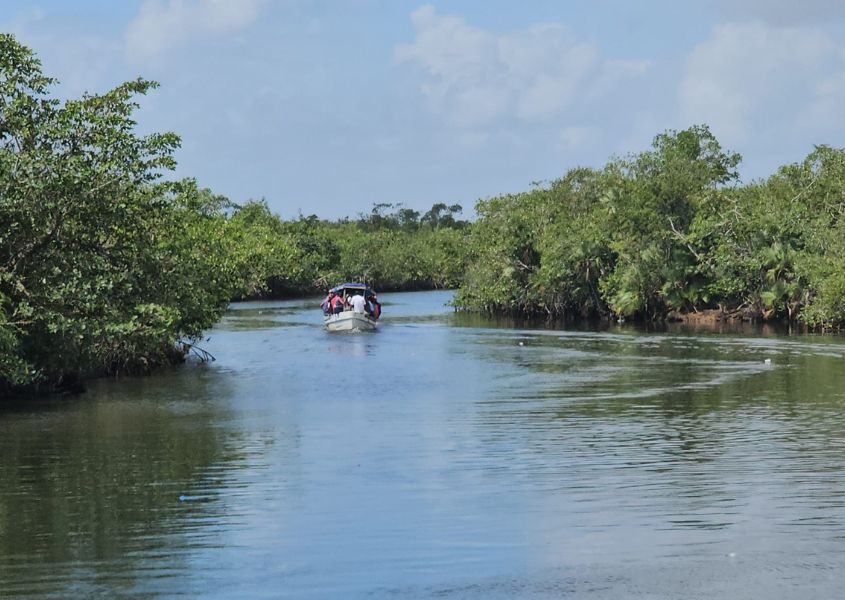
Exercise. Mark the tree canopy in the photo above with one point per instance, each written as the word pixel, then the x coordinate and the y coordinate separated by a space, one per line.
pixel 102 264
pixel 667 230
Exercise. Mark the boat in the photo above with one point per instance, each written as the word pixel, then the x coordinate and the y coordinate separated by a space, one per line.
pixel 350 320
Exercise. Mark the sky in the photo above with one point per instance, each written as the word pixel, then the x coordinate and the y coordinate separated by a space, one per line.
pixel 327 107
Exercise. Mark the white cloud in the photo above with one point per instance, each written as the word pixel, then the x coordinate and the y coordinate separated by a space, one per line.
pixel 574 138
pixel 753 75
pixel 24 20
pixel 163 24
pixel 614 72
pixel 784 12
pixel 825 112
pixel 473 77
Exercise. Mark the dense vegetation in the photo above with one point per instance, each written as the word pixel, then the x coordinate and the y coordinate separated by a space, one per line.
pixel 105 267
pixel 667 230
pixel 102 265
pixel 393 248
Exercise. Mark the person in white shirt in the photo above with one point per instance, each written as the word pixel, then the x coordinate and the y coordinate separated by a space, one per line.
pixel 359 305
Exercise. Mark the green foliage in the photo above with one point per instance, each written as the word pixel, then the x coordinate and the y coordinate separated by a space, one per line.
pixel 669 229
pixel 102 267
pixel 262 252
pixel 395 250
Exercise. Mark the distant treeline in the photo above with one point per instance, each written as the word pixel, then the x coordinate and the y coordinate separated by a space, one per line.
pixel 667 230
pixel 107 268
pixel 392 248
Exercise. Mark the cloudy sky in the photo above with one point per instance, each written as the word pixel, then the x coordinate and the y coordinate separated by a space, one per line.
pixel 327 107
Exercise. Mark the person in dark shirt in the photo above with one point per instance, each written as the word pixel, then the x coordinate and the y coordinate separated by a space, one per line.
pixel 326 305
pixel 374 306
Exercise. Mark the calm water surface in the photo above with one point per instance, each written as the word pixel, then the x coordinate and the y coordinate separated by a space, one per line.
pixel 441 457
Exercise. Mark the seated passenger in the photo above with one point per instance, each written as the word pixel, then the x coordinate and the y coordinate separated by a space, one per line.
pixel 375 306
pixel 326 305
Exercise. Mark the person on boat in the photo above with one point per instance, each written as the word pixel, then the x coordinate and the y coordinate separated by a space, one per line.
pixel 359 305
pixel 326 305
pixel 375 307
pixel 338 304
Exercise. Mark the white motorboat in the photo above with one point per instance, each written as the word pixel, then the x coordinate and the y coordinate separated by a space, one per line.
pixel 350 319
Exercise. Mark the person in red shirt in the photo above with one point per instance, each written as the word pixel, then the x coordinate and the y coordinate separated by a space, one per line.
pixel 338 304
pixel 375 307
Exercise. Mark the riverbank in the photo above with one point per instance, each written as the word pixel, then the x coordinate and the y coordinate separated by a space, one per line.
pixel 668 231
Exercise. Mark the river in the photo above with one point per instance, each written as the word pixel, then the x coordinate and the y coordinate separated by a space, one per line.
pixel 444 456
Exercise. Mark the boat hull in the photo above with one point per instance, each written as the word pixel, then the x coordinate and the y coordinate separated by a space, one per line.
pixel 349 321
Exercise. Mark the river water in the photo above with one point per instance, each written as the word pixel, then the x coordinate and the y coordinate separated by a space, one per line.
pixel 444 456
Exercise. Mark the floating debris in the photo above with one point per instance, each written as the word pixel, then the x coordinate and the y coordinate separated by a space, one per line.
pixel 186 498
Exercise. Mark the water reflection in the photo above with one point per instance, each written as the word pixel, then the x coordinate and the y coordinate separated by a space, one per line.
pixel 90 486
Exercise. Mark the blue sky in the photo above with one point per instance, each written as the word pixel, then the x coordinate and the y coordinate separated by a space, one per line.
pixel 326 107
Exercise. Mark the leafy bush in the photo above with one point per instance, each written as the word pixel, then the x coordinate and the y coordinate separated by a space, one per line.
pixel 669 229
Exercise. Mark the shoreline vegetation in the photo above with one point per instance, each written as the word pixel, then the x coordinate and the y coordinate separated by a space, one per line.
pixel 667 234
pixel 107 267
